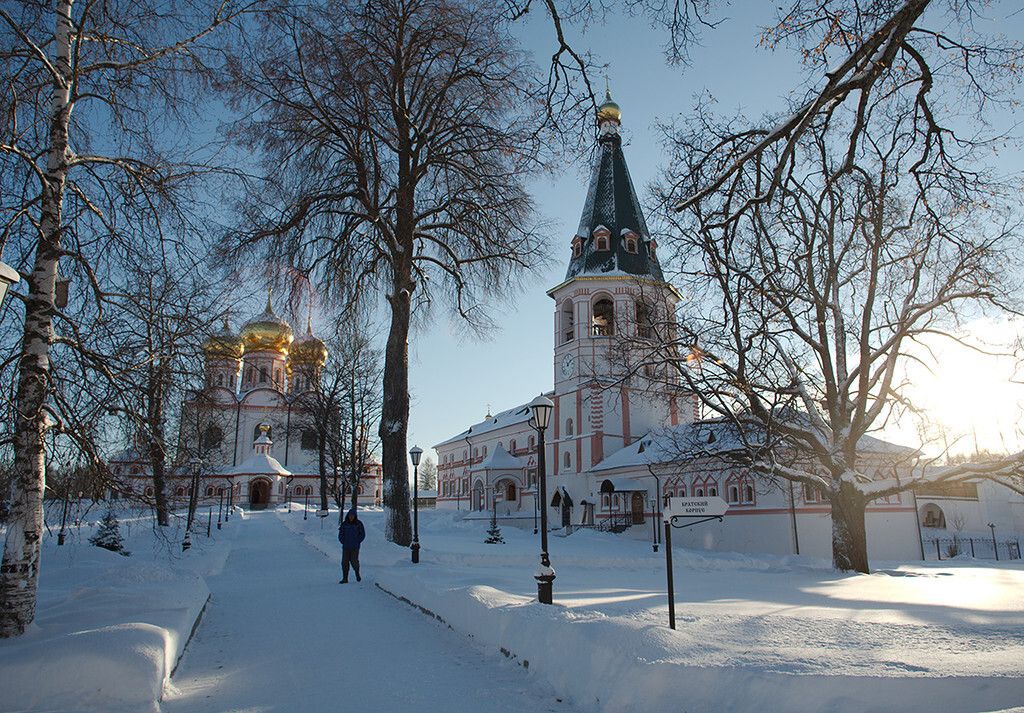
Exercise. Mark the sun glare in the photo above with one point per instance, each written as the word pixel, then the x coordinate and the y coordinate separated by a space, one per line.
pixel 970 399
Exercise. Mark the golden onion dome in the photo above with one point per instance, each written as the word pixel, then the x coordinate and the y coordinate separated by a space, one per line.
pixel 267 332
pixel 609 111
pixel 307 349
pixel 225 344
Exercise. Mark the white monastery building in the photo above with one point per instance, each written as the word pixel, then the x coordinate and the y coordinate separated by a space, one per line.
pixel 616 445
pixel 248 425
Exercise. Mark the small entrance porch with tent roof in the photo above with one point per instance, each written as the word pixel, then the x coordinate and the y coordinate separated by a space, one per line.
pixel 507 476
pixel 622 504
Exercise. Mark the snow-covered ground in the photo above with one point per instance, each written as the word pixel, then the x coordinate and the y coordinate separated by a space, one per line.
pixel 280 634
pixel 750 629
pixel 109 629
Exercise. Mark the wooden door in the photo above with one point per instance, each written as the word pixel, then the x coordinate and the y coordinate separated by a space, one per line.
pixel 638 508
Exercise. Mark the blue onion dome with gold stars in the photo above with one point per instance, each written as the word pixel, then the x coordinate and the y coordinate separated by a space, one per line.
pixel 267 332
pixel 307 350
pixel 224 344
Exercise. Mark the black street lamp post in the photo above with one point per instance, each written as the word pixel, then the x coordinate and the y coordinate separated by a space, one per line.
pixel 995 547
pixel 220 508
pixel 542 408
pixel 305 507
pixel 535 508
pixel 415 453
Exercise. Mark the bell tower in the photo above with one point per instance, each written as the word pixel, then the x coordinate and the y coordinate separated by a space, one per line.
pixel 613 289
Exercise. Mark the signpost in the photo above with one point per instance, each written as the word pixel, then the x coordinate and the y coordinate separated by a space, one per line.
pixel 700 510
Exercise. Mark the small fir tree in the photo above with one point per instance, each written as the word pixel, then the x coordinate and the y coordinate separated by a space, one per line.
pixel 494 532
pixel 108 536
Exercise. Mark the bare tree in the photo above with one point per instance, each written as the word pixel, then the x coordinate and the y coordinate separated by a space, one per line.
pixel 156 321
pixel 87 90
pixel 397 138
pixel 342 410
pixel 812 300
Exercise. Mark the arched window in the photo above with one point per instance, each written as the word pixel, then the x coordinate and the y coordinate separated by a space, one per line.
pixel 220 380
pixel 465 454
pixel 567 318
pixel 510 491
pixel 733 496
pixel 179 491
pixel 748 493
pixel 476 452
pixel 577 246
pixel 149 491
pixel 277 377
pixel 601 235
pixel 280 488
pixel 532 442
pixel 512 446
pixel 212 437
pixel 220 491
pixel 264 376
pixel 568 427
pixel 209 491
pixel 567 461
pixel 644 319
pixel 932 516
pixel 603 323
pixel 631 243
pixel 485 451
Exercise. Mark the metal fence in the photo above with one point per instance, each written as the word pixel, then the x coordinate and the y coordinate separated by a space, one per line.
pixel 983 548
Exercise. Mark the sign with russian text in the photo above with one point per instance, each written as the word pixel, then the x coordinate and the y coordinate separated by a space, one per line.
pixel 695 507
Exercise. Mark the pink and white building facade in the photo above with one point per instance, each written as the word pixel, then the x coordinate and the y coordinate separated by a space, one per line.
pixel 608 458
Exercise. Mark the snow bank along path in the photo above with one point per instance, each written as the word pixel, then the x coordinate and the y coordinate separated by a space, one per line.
pixel 280 634
pixel 109 629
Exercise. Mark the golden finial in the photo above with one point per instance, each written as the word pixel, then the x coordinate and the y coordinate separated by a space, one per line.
pixel 609 111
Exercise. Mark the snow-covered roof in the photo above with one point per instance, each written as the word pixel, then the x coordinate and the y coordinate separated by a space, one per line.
pixel 703 439
pixel 516 415
pixel 500 459
pixel 128 455
pixel 258 463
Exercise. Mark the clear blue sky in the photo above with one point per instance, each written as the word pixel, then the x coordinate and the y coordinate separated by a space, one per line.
pixel 454 376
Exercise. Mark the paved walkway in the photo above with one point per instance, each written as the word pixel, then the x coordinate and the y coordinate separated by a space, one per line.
pixel 280 634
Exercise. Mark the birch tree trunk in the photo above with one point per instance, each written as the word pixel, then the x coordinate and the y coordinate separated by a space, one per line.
pixel 19 573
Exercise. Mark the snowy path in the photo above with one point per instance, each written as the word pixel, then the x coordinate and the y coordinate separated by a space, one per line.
pixel 280 634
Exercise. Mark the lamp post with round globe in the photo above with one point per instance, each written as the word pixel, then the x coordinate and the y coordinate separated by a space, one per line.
pixel 542 408
pixel 415 453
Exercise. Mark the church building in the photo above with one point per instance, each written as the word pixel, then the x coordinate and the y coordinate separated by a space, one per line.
pixel 248 429
pixel 611 446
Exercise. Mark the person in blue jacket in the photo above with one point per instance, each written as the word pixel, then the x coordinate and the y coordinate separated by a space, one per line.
pixel 350 534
